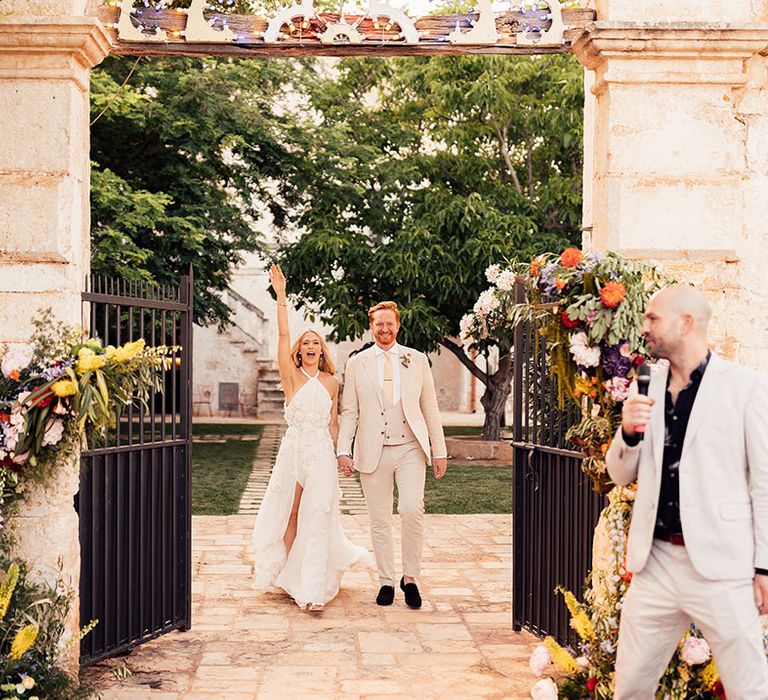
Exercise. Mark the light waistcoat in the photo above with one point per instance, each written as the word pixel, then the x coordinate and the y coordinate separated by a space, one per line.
pixel 397 431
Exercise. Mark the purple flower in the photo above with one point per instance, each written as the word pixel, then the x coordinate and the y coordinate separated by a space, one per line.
pixel 58 368
pixel 547 279
pixel 615 363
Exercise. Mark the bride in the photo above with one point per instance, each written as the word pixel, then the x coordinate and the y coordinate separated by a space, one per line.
pixel 298 539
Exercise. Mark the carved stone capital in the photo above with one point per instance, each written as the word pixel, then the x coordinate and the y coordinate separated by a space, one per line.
pixel 683 52
pixel 31 43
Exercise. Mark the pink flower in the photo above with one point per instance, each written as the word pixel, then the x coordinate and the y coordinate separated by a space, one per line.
pixel 618 388
pixel 540 660
pixel 695 651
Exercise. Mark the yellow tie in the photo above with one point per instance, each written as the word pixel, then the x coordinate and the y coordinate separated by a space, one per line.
pixel 389 393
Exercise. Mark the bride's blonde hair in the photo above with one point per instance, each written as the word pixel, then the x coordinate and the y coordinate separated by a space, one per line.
pixel 325 364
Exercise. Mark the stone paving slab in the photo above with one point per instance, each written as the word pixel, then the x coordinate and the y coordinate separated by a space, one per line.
pixel 258 645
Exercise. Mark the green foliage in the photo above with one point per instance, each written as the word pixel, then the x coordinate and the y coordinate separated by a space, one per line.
pixel 188 155
pixel 421 172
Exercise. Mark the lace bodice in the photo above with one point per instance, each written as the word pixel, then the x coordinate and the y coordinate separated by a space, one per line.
pixel 310 408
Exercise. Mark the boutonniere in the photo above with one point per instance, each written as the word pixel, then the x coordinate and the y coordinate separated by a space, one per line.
pixel 405 359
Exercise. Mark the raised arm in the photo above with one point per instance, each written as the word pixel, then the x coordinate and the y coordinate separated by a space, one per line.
pixel 284 363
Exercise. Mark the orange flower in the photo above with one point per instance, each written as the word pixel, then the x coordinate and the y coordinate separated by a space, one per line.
pixel 14 374
pixel 535 267
pixel 612 294
pixel 571 257
pixel 559 283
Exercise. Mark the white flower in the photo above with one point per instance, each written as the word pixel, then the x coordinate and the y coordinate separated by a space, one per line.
pixel 506 280
pixel 54 431
pixel 540 660
pixel 486 302
pixel 16 359
pixel 545 689
pixel 337 273
pixel 465 326
pixel 492 272
pixel 695 651
pixel 584 354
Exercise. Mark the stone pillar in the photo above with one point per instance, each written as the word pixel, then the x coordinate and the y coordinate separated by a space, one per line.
pixel 676 150
pixel 46 51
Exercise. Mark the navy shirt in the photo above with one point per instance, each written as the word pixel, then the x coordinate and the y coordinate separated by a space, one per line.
pixel 676 416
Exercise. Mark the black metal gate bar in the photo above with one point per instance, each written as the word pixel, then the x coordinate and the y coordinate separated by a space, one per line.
pixel 556 509
pixel 135 484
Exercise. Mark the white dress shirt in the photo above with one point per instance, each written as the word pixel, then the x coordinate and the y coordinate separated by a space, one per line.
pixel 394 353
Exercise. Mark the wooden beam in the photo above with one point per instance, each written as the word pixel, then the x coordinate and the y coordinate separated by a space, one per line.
pixel 248 29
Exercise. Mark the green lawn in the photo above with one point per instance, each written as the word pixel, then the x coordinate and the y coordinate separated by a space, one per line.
pixel 226 429
pixel 220 471
pixel 468 489
pixel 463 430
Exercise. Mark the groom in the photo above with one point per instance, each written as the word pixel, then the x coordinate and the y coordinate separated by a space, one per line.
pixel 389 409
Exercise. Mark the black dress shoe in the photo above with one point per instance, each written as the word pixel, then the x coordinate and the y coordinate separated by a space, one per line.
pixel 386 595
pixel 412 596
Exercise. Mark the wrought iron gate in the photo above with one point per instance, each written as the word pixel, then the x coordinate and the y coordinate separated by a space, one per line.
pixel 135 486
pixel 555 509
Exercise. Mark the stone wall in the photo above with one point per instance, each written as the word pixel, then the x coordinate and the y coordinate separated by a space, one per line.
pixel 44 226
pixel 676 151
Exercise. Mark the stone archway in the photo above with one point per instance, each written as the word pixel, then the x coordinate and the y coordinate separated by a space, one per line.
pixel 676 167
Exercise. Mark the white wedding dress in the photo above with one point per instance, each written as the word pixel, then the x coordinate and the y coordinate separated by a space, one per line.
pixel 311 572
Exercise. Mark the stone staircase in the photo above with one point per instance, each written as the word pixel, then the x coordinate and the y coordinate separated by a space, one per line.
pixel 269 398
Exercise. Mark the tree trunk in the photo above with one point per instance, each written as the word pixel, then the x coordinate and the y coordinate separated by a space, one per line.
pixel 497 386
pixel 494 399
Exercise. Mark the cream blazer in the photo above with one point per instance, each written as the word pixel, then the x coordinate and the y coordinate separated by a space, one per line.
pixel 362 406
pixel 723 473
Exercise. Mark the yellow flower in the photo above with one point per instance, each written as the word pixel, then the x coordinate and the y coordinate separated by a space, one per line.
pixel 579 619
pixel 64 387
pixel 127 351
pixel 87 362
pixel 23 641
pixel 7 588
pixel 561 657
pixel 709 674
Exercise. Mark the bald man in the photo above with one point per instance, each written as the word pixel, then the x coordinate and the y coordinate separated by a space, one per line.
pixel 698 540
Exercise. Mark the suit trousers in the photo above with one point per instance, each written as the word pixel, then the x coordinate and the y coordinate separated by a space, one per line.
pixel 662 601
pixel 405 465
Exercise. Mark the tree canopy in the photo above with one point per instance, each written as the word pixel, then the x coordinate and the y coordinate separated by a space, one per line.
pixel 423 171
pixel 187 156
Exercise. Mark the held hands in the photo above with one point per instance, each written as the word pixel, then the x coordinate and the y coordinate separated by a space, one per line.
pixel 277 280
pixel 439 464
pixel 636 414
pixel 346 465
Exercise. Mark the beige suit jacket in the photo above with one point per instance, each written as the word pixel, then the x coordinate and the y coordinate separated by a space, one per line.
pixel 723 473
pixel 362 408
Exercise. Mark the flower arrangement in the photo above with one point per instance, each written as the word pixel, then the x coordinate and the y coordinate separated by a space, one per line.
pixel 32 620
pixel 52 391
pixel 56 386
pixel 589 308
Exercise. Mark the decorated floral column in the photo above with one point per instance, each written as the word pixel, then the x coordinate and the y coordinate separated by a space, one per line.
pixel 46 51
